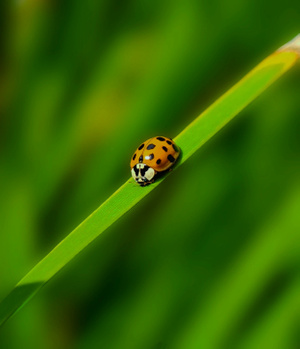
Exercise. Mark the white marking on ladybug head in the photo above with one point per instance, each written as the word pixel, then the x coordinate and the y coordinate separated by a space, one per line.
pixel 143 174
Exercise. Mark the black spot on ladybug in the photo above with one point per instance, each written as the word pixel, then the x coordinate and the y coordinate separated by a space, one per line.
pixel 136 170
pixel 151 146
pixel 141 146
pixel 170 158
pixel 175 148
pixel 149 157
pixel 169 142
pixel 158 161
pixel 160 138
pixel 165 149
pixel 134 156
pixel 141 158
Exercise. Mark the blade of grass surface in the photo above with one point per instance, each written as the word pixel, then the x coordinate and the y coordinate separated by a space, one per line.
pixel 190 140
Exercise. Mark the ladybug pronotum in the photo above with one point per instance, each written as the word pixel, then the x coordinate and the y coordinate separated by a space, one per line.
pixel 155 155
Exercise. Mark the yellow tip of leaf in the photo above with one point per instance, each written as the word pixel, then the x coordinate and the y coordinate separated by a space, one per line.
pixel 292 46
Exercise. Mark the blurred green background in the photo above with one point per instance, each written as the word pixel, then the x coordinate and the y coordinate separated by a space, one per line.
pixel 210 259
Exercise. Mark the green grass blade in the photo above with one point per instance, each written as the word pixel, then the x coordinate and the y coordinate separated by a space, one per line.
pixel 190 139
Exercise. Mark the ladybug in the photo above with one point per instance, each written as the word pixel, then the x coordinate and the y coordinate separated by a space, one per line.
pixel 155 155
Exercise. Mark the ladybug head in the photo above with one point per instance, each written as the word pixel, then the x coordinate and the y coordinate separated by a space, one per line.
pixel 143 174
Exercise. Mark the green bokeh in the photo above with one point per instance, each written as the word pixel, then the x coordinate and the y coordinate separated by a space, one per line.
pixel 210 259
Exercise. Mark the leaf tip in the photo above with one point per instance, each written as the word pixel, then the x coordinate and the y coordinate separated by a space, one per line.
pixel 293 45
